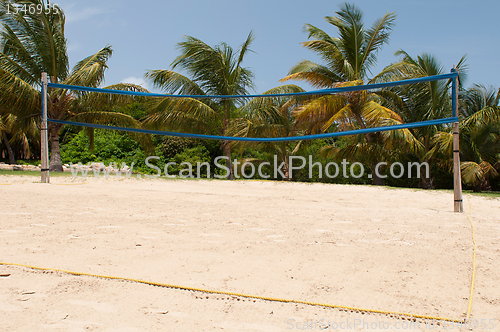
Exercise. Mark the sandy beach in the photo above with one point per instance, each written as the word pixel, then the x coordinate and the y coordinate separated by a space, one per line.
pixel 359 246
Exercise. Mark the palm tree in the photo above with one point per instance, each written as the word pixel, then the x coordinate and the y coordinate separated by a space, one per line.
pixel 347 61
pixel 479 137
pixel 31 44
pixel 480 105
pixel 480 148
pixel 5 127
pixel 271 117
pixel 480 144
pixel 348 57
pixel 420 102
pixel 213 71
pixel 19 136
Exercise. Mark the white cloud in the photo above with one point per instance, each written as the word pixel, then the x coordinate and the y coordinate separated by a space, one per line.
pixel 137 81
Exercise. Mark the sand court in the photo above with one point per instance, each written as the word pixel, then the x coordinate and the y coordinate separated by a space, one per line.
pixel 359 246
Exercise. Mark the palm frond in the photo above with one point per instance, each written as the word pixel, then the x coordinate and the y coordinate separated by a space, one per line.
pixel 245 48
pixel 36 40
pixel 376 37
pixel 486 116
pixel 472 172
pixel 18 95
pixel 217 71
pixel 317 75
pixel 173 82
pixel 106 101
pixel 328 151
pixel 444 142
pixel 186 114
pixel 90 71
pixel 320 110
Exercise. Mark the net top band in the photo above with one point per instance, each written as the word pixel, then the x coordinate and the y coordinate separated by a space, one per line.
pixel 307 93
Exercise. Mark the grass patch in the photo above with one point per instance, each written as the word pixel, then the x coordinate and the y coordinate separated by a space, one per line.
pixel 488 194
pixel 33 173
pixel 91 175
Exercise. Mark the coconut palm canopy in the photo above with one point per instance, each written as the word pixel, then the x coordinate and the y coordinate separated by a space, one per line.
pixel 421 102
pixel 348 57
pixel 272 117
pixel 212 71
pixel 31 44
pixel 347 60
pixel 479 139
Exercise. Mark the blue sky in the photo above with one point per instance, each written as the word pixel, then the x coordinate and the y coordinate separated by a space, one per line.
pixel 144 34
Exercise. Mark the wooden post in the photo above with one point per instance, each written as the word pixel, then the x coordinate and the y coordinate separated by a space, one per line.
pixel 457 176
pixel 44 133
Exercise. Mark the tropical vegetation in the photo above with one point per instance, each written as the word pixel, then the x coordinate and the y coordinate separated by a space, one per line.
pixel 348 59
pixel 214 71
pixel 34 43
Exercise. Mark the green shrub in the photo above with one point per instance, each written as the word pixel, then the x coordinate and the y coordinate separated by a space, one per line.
pixel 109 147
pixel 193 156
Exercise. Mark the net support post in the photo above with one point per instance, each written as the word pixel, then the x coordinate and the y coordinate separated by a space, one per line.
pixel 44 133
pixel 457 177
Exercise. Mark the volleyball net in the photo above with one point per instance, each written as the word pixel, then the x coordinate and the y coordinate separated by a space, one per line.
pixel 453 76
pixel 339 90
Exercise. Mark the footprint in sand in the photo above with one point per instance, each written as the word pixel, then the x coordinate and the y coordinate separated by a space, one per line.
pixel 73 236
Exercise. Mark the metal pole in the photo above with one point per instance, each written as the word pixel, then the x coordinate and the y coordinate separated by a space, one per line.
pixel 457 177
pixel 44 134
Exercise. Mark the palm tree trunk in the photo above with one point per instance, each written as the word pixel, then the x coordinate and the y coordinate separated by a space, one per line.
pixel 286 167
pixel 376 180
pixel 55 154
pixel 287 170
pixel 426 182
pixel 12 159
pixel 226 145
pixel 226 148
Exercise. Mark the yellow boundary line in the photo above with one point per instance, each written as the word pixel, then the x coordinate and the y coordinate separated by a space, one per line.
pixel 210 291
pixel 469 309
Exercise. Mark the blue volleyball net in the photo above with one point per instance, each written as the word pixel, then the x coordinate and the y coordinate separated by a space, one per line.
pixel 452 76
pixel 331 91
